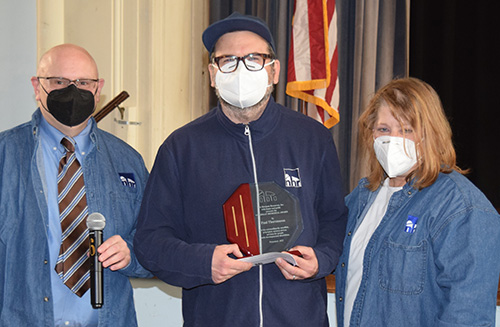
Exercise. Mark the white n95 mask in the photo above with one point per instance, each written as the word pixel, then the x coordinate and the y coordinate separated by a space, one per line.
pixel 242 88
pixel 395 154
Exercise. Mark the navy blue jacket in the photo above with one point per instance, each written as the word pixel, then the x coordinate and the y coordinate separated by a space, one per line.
pixel 181 220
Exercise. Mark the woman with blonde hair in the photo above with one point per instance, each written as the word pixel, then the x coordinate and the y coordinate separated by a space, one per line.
pixel 422 242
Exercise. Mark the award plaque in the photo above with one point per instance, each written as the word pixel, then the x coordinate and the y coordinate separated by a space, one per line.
pixel 280 220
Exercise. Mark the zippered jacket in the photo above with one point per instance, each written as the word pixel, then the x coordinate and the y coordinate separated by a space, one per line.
pixel 196 170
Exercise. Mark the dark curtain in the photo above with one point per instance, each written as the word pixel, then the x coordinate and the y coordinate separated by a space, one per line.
pixel 454 48
pixel 373 49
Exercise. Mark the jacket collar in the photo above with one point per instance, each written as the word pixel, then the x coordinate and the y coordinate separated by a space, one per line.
pixel 367 197
pixel 259 128
pixel 408 188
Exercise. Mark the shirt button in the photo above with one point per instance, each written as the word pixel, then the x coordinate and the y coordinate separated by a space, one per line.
pixel 45 261
pixel 343 264
pixel 341 299
pixel 46 299
pixel 349 234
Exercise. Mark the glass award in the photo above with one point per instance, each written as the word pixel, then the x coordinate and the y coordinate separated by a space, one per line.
pixel 280 221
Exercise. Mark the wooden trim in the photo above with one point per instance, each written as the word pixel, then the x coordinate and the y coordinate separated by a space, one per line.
pixel 498 295
pixel 330 283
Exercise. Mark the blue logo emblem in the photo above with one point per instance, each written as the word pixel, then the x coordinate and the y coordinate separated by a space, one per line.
pixel 411 224
pixel 127 179
pixel 292 177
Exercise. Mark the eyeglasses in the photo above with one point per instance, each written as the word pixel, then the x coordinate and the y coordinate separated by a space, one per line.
pixel 57 83
pixel 252 61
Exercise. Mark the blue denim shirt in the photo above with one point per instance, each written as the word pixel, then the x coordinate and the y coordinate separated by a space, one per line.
pixel 25 287
pixel 445 273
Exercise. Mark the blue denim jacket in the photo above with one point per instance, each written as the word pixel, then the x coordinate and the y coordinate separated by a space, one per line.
pixel 445 273
pixel 25 289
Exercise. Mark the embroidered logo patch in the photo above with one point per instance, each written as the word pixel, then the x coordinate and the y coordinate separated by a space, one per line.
pixel 292 177
pixel 127 179
pixel 411 224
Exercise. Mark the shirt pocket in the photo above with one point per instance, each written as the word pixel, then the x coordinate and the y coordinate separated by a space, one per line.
pixel 125 208
pixel 402 267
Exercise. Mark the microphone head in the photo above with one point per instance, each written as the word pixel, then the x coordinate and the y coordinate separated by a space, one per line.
pixel 96 221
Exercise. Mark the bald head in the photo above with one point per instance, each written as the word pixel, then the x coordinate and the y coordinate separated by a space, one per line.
pixel 71 62
pixel 67 59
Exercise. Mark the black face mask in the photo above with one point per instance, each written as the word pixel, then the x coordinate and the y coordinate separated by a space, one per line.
pixel 71 106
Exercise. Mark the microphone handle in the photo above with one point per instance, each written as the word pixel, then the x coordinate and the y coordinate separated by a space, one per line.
pixel 96 278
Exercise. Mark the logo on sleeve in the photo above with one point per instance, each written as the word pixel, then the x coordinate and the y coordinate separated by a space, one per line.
pixel 127 179
pixel 292 177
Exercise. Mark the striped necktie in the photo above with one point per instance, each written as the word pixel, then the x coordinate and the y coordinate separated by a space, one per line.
pixel 72 264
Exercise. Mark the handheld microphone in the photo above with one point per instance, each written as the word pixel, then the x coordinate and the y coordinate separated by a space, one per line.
pixel 95 224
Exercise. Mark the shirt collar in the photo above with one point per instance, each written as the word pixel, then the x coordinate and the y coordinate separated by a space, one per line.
pixel 53 136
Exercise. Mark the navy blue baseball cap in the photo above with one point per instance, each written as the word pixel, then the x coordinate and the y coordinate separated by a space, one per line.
pixel 236 22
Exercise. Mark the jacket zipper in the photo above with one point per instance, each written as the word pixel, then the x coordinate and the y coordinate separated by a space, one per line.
pixel 254 166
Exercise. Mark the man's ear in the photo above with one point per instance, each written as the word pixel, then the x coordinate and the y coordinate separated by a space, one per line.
pixel 99 88
pixel 276 77
pixel 35 82
pixel 212 69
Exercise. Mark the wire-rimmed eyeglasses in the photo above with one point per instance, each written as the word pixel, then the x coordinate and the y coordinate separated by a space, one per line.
pixel 57 83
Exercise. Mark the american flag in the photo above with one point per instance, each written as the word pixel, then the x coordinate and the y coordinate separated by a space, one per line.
pixel 313 58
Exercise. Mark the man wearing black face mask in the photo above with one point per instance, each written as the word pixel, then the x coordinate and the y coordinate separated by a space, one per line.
pixel 69 104
pixel 54 172
pixel 67 101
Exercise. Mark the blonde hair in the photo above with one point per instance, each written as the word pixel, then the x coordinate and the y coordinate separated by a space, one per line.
pixel 415 102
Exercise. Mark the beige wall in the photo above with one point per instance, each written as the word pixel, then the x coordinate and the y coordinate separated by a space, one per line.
pixel 150 48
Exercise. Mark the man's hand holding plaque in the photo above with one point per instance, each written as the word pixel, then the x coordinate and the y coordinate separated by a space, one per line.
pixel 280 222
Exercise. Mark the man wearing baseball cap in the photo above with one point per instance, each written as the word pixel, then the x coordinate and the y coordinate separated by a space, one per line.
pixel 247 138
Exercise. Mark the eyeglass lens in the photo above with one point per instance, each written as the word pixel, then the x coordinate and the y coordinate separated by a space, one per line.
pixel 56 83
pixel 252 61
